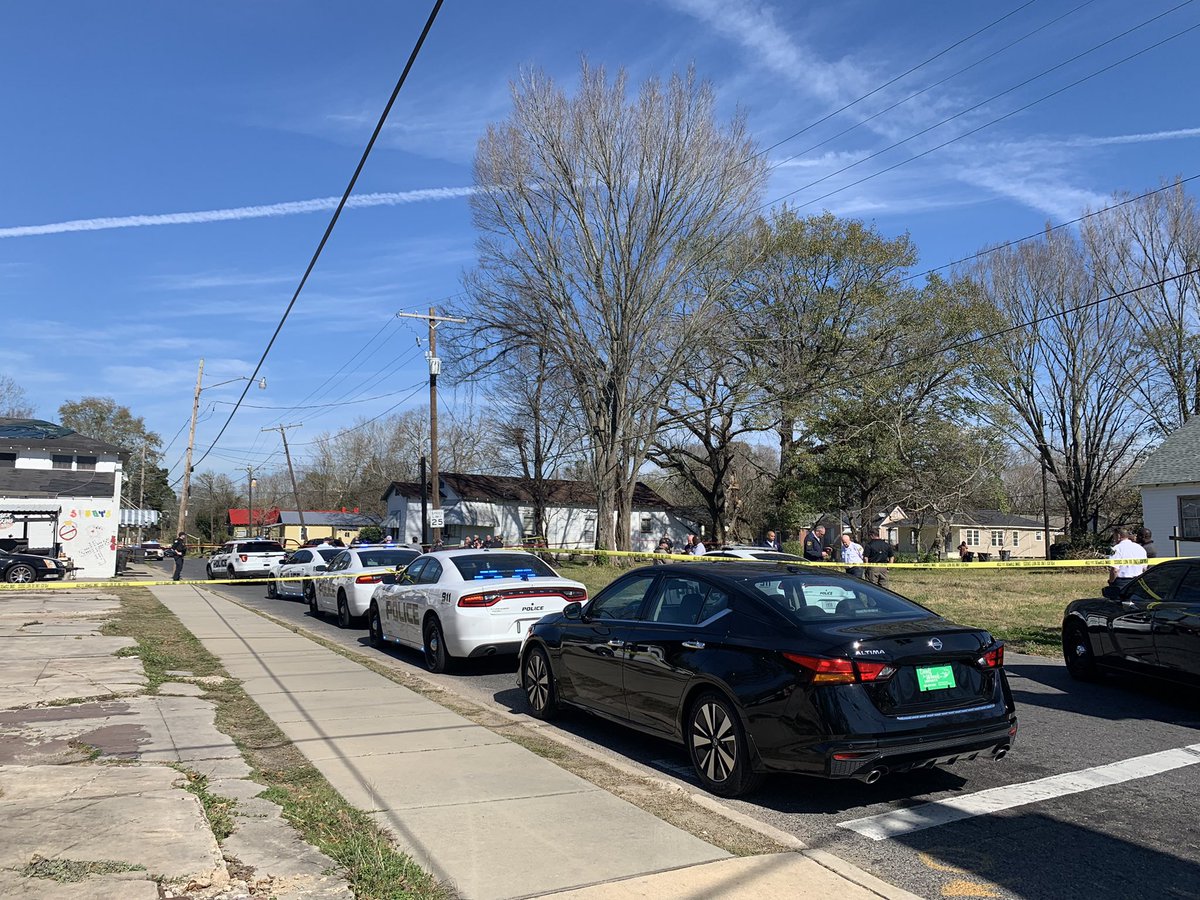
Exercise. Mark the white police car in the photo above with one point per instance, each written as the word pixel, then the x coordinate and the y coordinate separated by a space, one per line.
pixel 350 579
pixel 467 603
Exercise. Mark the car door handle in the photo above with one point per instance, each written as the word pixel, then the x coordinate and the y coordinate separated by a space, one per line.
pixel 694 645
pixel 616 643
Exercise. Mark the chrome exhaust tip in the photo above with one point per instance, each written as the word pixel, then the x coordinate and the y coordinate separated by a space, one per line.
pixel 872 776
pixel 1000 752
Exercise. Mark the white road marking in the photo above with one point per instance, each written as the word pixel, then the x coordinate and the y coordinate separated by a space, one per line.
pixel 942 812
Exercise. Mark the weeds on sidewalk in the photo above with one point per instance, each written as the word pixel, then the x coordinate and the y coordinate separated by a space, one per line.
pixel 219 810
pixel 373 866
pixel 73 870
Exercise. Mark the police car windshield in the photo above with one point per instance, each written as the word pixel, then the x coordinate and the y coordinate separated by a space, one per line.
pixel 392 558
pixel 482 566
pixel 328 553
pixel 806 598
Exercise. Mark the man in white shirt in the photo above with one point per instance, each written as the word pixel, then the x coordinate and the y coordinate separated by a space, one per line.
pixel 852 556
pixel 1124 547
pixel 698 549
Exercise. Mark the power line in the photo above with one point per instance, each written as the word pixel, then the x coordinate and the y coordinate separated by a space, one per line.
pixel 902 75
pixel 412 58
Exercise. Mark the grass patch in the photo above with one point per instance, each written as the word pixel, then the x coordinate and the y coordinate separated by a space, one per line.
pixel 73 870
pixel 375 869
pixel 1022 607
pixel 219 810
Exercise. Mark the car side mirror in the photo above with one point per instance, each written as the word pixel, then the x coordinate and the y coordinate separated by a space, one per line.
pixel 388 578
pixel 573 610
pixel 320 568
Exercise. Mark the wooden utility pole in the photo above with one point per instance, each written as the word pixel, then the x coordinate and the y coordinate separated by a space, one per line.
pixel 435 368
pixel 282 429
pixel 187 460
pixel 250 501
pixel 142 496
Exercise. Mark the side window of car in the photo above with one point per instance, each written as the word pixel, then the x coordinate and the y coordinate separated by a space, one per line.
pixel 339 562
pixel 716 601
pixel 1156 584
pixel 1189 587
pixel 679 602
pixel 431 573
pixel 623 600
pixel 413 572
pixel 301 556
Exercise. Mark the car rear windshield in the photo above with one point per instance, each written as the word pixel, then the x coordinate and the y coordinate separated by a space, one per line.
pixel 328 553
pixel 806 598
pixel 392 558
pixel 260 547
pixel 482 566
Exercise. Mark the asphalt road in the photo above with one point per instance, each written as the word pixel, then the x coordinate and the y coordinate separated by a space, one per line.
pixel 1136 836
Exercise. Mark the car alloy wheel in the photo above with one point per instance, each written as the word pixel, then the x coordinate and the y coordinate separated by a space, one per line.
pixel 718 748
pixel 375 627
pixel 1077 651
pixel 313 609
pixel 21 574
pixel 232 574
pixel 437 659
pixel 538 681
pixel 343 619
pixel 309 591
pixel 272 591
pixel 209 572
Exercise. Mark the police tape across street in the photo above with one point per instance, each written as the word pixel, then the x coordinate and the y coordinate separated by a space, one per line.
pixel 636 554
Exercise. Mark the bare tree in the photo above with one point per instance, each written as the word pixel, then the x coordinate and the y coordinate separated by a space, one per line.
pixel 595 213
pixel 1153 241
pixel 14 401
pixel 1067 370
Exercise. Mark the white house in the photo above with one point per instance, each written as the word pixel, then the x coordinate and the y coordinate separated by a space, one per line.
pixel 502 505
pixel 1170 486
pixel 60 493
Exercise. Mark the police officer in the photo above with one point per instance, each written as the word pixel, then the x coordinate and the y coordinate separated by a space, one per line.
pixel 179 551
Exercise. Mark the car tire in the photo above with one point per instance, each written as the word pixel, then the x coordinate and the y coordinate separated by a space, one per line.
pixel 313 609
pixel 537 679
pixel 231 573
pixel 718 747
pixel 1078 653
pixel 437 657
pixel 21 574
pixel 344 619
pixel 309 591
pixel 375 627
pixel 272 590
pixel 209 572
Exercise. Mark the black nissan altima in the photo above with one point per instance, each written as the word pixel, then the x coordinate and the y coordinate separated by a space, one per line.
pixel 760 668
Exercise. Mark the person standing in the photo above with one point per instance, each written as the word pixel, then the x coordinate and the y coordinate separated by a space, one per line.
pixel 852 556
pixel 879 551
pixel 179 551
pixel 663 549
pixel 1124 547
pixel 814 545
pixel 1146 539
pixel 772 543
pixel 698 548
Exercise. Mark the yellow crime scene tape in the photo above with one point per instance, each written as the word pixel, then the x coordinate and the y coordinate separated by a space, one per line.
pixel 631 554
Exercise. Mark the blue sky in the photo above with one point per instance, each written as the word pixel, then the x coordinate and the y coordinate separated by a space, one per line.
pixel 199 114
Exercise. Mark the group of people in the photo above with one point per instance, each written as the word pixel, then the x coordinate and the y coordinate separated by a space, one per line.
pixel 488 542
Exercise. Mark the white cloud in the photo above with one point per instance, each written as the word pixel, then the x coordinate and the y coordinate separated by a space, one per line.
pixel 291 208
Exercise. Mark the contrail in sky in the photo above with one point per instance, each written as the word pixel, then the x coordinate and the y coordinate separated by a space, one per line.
pixel 292 208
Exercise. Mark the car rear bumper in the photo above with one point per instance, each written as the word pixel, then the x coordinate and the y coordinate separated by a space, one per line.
pixel 850 758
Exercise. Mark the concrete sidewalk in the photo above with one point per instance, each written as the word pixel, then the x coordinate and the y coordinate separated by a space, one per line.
pixel 476 810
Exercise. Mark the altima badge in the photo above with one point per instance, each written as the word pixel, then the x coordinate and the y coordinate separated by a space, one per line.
pixel 935 643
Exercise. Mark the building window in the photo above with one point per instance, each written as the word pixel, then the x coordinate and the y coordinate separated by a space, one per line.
pixel 997 538
pixel 85 463
pixel 527 524
pixel 647 523
pixel 971 536
pixel 1016 539
pixel 1189 517
pixel 589 530
pixel 8 460
pixel 914 537
pixel 58 461
pixel 1037 536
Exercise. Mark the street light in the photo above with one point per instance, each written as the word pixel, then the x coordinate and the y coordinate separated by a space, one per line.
pixel 187 463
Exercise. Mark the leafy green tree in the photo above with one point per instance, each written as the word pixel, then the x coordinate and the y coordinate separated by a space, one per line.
pixel 106 420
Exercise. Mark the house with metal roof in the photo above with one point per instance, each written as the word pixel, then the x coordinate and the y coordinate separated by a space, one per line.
pixel 503 506
pixel 60 494
pixel 1169 482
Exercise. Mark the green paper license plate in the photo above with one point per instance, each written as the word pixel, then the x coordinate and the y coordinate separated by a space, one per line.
pixel 935 678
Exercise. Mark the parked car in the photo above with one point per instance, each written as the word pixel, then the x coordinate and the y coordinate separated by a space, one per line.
pixel 25 568
pixel 244 559
pixel 302 563
pixel 1151 628
pixel 467 603
pixel 353 576
pixel 775 668
pixel 152 550
pixel 762 554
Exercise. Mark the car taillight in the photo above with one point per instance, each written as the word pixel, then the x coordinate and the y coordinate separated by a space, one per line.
pixel 243 557
pixel 574 594
pixel 480 599
pixel 825 670
pixel 993 659
pixel 368 579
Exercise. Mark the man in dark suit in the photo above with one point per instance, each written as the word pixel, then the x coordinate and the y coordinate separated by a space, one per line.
pixel 814 545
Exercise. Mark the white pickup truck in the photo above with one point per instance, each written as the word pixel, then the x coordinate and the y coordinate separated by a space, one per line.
pixel 244 559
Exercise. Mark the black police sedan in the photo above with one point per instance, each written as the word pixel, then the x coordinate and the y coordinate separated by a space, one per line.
pixel 761 668
pixel 27 567
pixel 1151 628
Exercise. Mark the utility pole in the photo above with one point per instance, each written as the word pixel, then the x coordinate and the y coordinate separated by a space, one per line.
pixel 250 501
pixel 142 496
pixel 187 460
pixel 435 368
pixel 282 429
